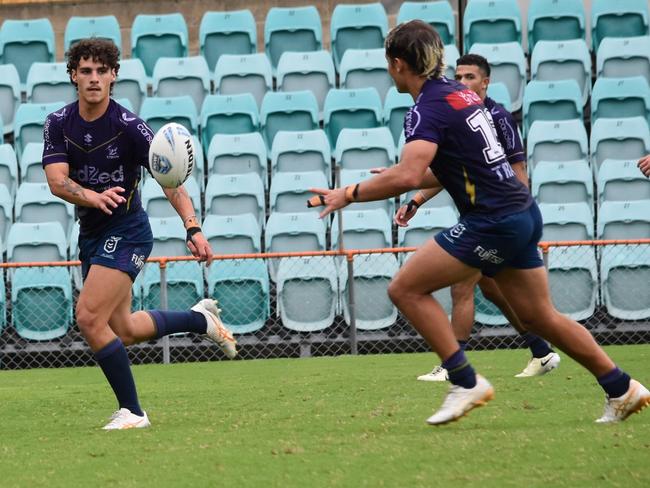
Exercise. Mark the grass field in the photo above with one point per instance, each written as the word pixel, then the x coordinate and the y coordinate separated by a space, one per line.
pixel 344 421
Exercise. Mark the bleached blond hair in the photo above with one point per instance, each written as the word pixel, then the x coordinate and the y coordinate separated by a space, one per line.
pixel 420 46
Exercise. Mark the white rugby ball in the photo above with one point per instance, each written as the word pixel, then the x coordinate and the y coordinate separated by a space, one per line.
pixel 171 155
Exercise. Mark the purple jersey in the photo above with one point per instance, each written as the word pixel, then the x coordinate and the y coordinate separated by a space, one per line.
pixel 470 162
pixel 102 154
pixel 507 132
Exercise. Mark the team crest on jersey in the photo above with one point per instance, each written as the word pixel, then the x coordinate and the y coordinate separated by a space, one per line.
pixel 111 152
pixel 160 164
pixel 126 118
pixel 111 244
pixel 88 139
pixel 456 231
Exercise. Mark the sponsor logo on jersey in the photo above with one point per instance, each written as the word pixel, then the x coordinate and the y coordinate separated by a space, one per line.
pixel 411 121
pixel 61 114
pixel 111 152
pixel 138 260
pixel 145 131
pixel 507 132
pixel 126 118
pixel 462 99
pixel 488 255
pixel 111 244
pixel 92 176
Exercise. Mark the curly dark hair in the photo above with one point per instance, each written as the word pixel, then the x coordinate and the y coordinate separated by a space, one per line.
pixel 99 50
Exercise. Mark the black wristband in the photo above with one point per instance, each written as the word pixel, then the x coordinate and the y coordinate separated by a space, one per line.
pixel 355 192
pixel 191 231
pixel 411 204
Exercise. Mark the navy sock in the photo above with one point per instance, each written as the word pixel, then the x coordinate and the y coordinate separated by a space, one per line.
pixel 459 370
pixel 172 322
pixel 114 361
pixel 538 346
pixel 615 383
pixel 463 344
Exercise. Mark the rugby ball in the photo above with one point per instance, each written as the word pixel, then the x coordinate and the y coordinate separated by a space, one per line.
pixel 171 155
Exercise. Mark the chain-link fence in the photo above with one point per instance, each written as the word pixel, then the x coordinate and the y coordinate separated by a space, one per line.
pixel 317 303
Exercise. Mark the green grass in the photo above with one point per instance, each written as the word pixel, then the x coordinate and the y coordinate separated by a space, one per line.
pixel 345 421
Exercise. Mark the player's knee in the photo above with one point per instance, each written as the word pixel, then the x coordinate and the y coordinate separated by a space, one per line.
pixel 395 292
pixel 88 320
pixel 462 292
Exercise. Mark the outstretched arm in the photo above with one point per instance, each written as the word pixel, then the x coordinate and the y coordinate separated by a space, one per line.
pixel 644 165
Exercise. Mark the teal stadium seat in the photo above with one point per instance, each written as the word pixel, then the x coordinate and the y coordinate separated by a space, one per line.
pixel 438 14
pixel 361 68
pixel 508 66
pixel 363 229
pixel 563 182
pixel 289 111
pixel 36 242
pixel 351 109
pixel 555 20
pixel 564 140
pixel 29 122
pixel 354 176
pixel 627 138
pixel 491 22
pixel 312 71
pixel 617 98
pixel 9 96
pixel 228 114
pixel 243 291
pixel 307 293
pixel 395 107
pixel 168 238
pixel 182 76
pixel 233 234
pixel 364 148
pixel 623 18
pixel 551 100
pixel 156 203
pixel 624 220
pixel 357 26
pixel 563 60
pixel 451 56
pixel 623 57
pixel 235 195
pixel 372 274
pixel 31 169
pixel 442 199
pixel 8 168
pixel 158 111
pixel 157 36
pixel 102 27
pixel 246 73
pixel 567 221
pixel 49 82
pixel 426 223
pixel 184 285
pixel 625 268
pixel 6 218
pixel 295 29
pixel 232 32
pixel 620 180
pixel 23 42
pixel 573 281
pixel 126 103
pixel 499 93
pixel 131 83
pixel 290 191
pixel 486 312
pixel 230 154
pixel 35 203
pixel 301 151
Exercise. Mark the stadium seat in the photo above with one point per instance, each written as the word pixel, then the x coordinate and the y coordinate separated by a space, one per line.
pixel 567 221
pixel 246 73
pixel 6 218
pixel 126 103
pixel 29 121
pixel 295 29
pixel 553 20
pixel 131 83
pixel 290 191
pixel 301 151
pixel 35 203
pixel 490 22
pixel 364 148
pixel 8 168
pixel 357 27
pixel 182 76
pixel 426 223
pixel 627 138
pixel 184 281
pixel 23 42
pixel 49 82
pixel 373 308
pixel 624 220
pixel 228 114
pixel 625 268
pixel 395 107
pixel 168 237
pixel 103 27
pixel 9 96
pixel 232 32
pixel 438 14
pixel 563 60
pixel 563 182
pixel 551 100
pixel 573 281
pixel 230 154
pixel 442 199
pixel 623 18
pixel 157 36
pixel 500 94
pixel 564 140
pixel 289 111
pixel 486 312
pixel 361 68
pixel 363 229
pixel 351 109
pixel 508 66
pixel 623 57
pixel 233 234
pixel 307 293
pixel 158 111
pixel 354 176
pixel 243 291
pixel 36 242
pixel 156 203
pixel 617 98
pixel 312 71
pixel 235 195
pixel 621 180
pixel 451 57
pixel 31 169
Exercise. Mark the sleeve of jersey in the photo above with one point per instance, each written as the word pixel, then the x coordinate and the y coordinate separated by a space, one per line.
pixel 426 122
pixel 142 135
pixel 515 148
pixel 54 148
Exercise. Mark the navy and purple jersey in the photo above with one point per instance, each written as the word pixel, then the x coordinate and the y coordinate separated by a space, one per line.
pixel 506 128
pixel 101 154
pixel 470 162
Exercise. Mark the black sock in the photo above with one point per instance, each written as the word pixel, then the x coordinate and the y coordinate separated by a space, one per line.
pixel 615 383
pixel 538 346
pixel 459 370
pixel 172 322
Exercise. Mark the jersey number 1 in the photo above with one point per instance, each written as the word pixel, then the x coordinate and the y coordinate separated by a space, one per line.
pixel 479 122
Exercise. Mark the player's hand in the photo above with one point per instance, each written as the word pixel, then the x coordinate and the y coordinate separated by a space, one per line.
pixel 404 214
pixel 333 199
pixel 377 171
pixel 200 248
pixel 644 165
pixel 109 199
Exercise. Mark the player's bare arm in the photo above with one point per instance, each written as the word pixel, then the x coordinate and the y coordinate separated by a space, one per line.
pixel 521 171
pixel 644 165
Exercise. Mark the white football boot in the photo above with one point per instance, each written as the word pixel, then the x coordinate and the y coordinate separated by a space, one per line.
pixel 540 366
pixel 124 419
pixel 461 400
pixel 216 332
pixel 438 374
pixel 635 399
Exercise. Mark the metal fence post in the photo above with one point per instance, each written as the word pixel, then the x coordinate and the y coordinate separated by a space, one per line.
pixel 353 312
pixel 545 250
pixel 163 306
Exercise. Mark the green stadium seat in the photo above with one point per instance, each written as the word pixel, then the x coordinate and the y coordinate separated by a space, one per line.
pixel 233 234
pixel 567 221
pixel 395 107
pixel 618 98
pixel 563 182
pixel 232 32
pixel 230 154
pixel 29 121
pixel 35 203
pixel 364 148
pixel 31 169
pixel 451 57
pixel 351 109
pixel 158 111
pixel 438 14
pixel 551 100
pixel 290 191
pixel 354 176
pixel 623 57
pixel 228 114
pixel 102 27
pixel 9 96
pixel 156 203
pixel 289 111
pixel 301 151
pixel 6 218
pixel 490 22
pixel 573 281
pixel 623 18
pixel 28 242
pixel 126 103
pixel 295 29
pixel 620 180
pixel 625 268
pixel 363 229
pixel 23 42
pixel 168 238
pixel 182 76
pixel 131 83
pixel 555 20
pixel 48 83
pixel 499 93
pixel 361 68
pixel 624 220
pixel 564 140
pixel 157 36
pixel 235 195
pixel 8 168
pixel 627 138
pixel 184 281
pixel 246 73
